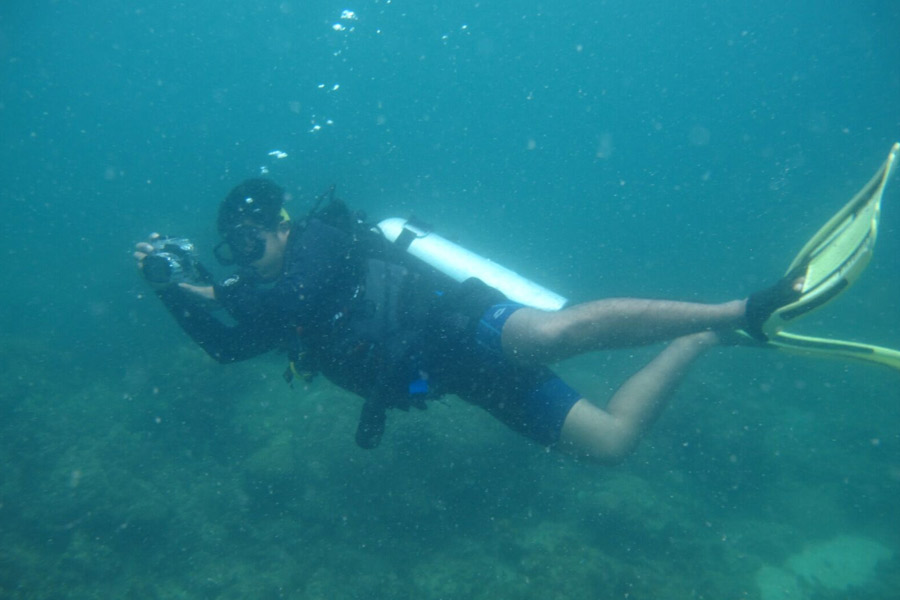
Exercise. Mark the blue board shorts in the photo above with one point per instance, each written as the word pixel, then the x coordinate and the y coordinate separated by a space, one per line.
pixel 531 400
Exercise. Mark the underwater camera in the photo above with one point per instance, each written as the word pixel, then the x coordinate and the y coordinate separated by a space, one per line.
pixel 173 261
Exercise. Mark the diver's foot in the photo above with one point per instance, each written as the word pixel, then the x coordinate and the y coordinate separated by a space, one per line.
pixel 735 337
pixel 761 304
pixel 698 341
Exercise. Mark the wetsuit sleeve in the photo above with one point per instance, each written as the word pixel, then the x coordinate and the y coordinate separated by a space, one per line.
pixel 318 277
pixel 222 341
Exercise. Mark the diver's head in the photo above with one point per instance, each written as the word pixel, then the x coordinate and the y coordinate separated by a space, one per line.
pixel 255 202
pixel 254 227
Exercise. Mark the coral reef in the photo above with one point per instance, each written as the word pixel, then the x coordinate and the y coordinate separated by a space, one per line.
pixel 188 480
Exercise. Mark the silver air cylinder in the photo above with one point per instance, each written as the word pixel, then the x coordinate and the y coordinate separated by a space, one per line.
pixel 460 264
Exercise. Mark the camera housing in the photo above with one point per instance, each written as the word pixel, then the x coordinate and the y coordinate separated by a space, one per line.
pixel 172 261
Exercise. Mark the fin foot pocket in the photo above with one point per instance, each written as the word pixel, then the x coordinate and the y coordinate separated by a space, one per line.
pixel 762 304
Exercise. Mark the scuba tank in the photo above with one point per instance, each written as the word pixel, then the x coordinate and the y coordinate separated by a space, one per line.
pixel 460 264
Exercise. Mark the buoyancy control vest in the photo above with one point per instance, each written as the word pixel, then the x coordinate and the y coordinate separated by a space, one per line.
pixel 415 287
pixel 372 343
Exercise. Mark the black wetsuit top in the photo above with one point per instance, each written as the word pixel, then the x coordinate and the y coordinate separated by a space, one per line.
pixel 369 317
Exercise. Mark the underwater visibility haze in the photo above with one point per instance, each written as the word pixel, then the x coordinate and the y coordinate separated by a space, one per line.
pixel 681 150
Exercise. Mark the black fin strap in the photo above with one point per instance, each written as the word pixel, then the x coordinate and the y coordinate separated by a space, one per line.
pixel 763 303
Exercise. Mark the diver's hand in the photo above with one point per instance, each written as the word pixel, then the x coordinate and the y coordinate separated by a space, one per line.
pixel 207 292
pixel 141 251
pixel 144 249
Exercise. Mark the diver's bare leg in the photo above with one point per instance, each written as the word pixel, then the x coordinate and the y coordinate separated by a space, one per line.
pixel 610 435
pixel 536 336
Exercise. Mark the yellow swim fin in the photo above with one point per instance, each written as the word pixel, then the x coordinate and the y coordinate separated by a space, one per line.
pixel 839 252
pixel 824 347
pixel 829 262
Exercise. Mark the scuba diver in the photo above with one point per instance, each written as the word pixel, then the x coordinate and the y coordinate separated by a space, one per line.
pixel 344 301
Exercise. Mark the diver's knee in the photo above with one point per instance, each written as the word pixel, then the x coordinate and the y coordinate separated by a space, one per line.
pixel 607 457
pixel 611 448
pixel 616 453
pixel 613 452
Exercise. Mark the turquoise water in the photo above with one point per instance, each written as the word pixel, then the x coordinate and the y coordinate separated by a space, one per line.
pixel 670 150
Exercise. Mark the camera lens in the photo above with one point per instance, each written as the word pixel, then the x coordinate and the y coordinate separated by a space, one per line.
pixel 158 268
